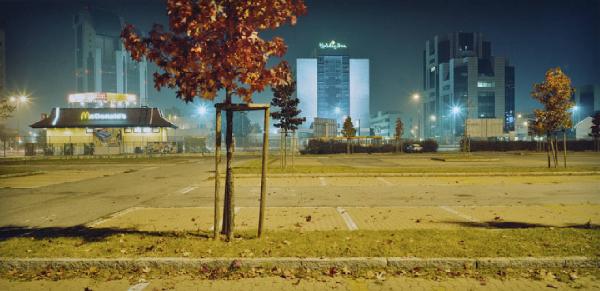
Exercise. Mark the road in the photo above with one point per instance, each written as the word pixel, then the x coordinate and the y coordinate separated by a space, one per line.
pixel 189 183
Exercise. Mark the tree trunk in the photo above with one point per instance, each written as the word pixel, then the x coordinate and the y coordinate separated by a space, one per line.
pixel 281 149
pixel 217 174
pixel 293 147
pixel 565 148
pixel 397 144
pixel 229 205
pixel 285 148
pixel 348 146
pixel 548 148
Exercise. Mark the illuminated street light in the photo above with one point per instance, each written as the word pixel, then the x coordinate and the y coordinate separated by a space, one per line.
pixel 455 110
pixel 202 110
pixel 416 97
pixel 433 118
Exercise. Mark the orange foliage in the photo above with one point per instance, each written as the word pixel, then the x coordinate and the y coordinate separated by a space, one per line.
pixel 213 45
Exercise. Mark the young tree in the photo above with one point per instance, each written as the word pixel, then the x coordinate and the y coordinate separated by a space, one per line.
pixel 214 46
pixel 595 130
pixel 399 132
pixel 555 95
pixel 348 131
pixel 287 116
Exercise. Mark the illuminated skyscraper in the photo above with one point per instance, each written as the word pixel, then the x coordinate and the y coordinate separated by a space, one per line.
pixel 334 86
pixel 460 74
pixel 102 64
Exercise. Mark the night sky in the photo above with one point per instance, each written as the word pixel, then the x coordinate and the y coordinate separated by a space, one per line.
pixel 534 35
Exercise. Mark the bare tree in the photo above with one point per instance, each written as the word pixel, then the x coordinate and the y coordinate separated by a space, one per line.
pixel 399 132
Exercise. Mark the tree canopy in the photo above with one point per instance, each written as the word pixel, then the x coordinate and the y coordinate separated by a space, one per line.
pixel 555 95
pixel 214 45
pixel 287 115
pixel 348 129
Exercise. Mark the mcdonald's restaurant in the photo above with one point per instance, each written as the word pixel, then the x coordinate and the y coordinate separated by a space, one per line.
pixel 105 131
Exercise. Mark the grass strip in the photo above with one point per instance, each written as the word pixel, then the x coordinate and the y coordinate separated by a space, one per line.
pixel 110 243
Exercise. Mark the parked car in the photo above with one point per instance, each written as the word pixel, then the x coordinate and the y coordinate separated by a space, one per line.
pixel 413 148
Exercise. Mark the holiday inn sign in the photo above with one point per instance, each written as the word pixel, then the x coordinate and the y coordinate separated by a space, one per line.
pixel 332 45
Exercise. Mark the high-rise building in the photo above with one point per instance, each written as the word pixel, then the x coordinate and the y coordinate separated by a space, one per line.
pixel 334 86
pixel 101 61
pixel 2 63
pixel 463 80
pixel 587 101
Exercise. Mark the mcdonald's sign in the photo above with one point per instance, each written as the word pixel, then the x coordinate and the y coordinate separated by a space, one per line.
pixel 85 115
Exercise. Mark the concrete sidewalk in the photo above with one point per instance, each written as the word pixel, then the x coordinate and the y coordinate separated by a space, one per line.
pixel 387 282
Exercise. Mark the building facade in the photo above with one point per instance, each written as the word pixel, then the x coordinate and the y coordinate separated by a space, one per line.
pixel 2 63
pixel 101 62
pixel 384 123
pixel 334 86
pixel 463 80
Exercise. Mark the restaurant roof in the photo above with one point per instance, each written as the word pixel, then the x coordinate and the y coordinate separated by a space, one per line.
pixel 103 117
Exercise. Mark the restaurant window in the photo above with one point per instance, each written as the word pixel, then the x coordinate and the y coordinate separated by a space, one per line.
pixel 89 130
pixel 147 129
pixel 156 129
pixel 137 130
pixel 127 129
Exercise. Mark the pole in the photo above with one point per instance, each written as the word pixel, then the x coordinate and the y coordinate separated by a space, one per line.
pixel 263 178
pixel 217 178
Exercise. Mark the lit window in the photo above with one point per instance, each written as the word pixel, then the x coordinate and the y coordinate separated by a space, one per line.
pixel 89 130
pixel 127 129
pixel 147 129
pixel 137 130
pixel 486 84
pixel 156 129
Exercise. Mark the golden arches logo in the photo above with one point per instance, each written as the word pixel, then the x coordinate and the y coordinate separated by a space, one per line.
pixel 85 115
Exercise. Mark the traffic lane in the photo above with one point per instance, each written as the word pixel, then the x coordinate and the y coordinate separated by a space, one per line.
pixel 398 191
pixel 80 202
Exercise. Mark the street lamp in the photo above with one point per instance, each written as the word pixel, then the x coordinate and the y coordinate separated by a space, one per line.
pixel 455 111
pixel 416 98
pixel 18 100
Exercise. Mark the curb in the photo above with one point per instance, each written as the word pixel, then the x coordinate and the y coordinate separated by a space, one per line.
pixel 21 174
pixel 473 174
pixel 353 263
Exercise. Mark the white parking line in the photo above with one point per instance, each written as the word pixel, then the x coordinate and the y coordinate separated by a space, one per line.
pixel 139 287
pixel 323 181
pixel 187 189
pixel 459 214
pixel 347 219
pixel 384 181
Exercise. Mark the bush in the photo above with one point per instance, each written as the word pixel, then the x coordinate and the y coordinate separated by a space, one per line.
pixel 317 146
pixel 429 146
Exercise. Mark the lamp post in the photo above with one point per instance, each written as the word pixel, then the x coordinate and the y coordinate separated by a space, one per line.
pixel 455 111
pixel 417 98
pixel 18 100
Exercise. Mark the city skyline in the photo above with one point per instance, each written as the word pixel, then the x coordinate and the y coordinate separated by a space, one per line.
pixel 563 34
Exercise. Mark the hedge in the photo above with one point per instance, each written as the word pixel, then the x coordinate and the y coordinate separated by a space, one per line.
pixel 318 146
pixel 504 146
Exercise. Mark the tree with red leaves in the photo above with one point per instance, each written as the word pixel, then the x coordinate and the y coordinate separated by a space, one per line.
pixel 212 46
